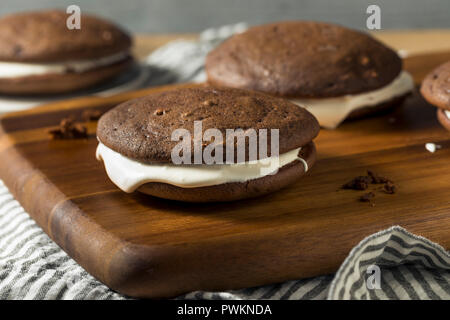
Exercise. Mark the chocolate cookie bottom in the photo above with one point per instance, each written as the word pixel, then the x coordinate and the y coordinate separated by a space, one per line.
pixel 61 83
pixel 443 119
pixel 287 175
pixel 376 110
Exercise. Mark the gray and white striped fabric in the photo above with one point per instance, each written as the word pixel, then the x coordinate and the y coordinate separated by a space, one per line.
pixel 409 267
pixel 406 266
pixel 32 266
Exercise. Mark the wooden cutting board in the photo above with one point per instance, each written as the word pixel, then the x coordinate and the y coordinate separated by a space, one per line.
pixel 147 247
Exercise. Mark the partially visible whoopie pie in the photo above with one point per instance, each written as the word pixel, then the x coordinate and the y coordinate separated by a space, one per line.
pixel 40 55
pixel 334 72
pixel 136 144
pixel 436 90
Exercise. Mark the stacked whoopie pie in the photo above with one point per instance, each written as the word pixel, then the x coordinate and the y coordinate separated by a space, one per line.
pixel 436 90
pixel 334 72
pixel 40 55
pixel 136 144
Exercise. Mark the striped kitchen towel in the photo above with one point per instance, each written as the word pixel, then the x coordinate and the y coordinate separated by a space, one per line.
pixel 391 264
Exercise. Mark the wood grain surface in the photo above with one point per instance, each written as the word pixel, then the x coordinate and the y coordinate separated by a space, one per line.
pixel 147 247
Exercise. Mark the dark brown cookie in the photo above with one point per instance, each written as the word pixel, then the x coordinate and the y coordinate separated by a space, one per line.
pixel 436 90
pixel 380 109
pixel 303 59
pixel 286 176
pixel 141 129
pixel 436 86
pixel 443 119
pixel 43 36
pixel 43 39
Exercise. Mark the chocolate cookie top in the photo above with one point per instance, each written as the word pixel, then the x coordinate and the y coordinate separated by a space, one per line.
pixel 141 129
pixel 44 37
pixel 303 59
pixel 436 86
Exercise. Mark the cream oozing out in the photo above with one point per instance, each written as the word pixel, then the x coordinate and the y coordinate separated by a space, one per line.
pixel 130 174
pixel 331 112
pixel 20 69
pixel 447 113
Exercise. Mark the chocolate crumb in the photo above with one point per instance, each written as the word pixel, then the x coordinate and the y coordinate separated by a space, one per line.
pixel 91 115
pixel 376 179
pixel 364 182
pixel 69 129
pixel 390 188
pixel 358 183
pixel 367 197
pixel 159 112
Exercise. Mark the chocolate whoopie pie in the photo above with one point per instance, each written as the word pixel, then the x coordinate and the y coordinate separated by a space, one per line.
pixel 436 90
pixel 40 55
pixel 137 144
pixel 334 72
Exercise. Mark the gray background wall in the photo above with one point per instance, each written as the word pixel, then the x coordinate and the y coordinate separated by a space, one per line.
pixel 196 15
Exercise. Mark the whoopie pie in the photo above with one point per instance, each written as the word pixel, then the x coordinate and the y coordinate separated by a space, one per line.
pixel 40 55
pixel 436 90
pixel 334 72
pixel 139 138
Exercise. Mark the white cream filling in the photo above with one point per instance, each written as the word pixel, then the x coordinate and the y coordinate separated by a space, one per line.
pixel 447 113
pixel 19 69
pixel 331 112
pixel 129 174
